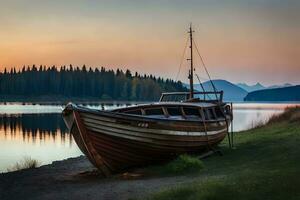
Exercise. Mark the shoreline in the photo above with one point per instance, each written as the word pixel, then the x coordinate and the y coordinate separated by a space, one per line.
pixel 75 178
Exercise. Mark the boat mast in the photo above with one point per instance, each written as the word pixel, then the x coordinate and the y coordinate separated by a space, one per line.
pixel 191 71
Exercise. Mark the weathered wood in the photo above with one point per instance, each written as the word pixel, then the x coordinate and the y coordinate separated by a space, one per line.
pixel 115 141
pixel 92 152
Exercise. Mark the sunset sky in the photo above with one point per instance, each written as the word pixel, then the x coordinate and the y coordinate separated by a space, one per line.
pixel 241 41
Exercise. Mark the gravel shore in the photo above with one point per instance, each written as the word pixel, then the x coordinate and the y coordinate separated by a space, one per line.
pixel 76 178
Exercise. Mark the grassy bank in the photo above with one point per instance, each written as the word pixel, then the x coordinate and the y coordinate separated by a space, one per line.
pixel 264 165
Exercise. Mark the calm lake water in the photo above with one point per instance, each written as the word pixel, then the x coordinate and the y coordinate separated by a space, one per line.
pixel 38 131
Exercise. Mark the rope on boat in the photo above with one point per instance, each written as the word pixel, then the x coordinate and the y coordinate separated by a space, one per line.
pixel 205 68
pixel 229 135
pixel 202 61
pixel 202 86
pixel 182 58
pixel 205 129
pixel 231 124
pixel 230 138
pixel 200 83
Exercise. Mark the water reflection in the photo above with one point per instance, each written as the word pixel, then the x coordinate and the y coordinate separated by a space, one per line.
pixel 33 127
pixel 43 137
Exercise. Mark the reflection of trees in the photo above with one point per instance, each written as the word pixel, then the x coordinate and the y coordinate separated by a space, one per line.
pixel 33 126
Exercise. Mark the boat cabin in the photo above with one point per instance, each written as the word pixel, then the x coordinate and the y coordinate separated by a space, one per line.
pixel 212 97
pixel 178 106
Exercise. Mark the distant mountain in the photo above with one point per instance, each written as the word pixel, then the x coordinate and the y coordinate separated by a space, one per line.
pixel 278 94
pixel 231 91
pixel 258 86
pixel 280 86
pixel 251 88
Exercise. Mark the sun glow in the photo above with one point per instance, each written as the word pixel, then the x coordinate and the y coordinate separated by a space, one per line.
pixel 240 42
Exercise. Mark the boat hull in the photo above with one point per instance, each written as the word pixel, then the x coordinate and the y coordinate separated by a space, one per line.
pixel 115 142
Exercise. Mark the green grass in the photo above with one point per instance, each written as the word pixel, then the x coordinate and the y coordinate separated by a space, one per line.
pixel 184 164
pixel 264 165
pixel 26 163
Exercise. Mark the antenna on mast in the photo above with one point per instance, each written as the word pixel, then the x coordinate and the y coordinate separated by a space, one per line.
pixel 191 71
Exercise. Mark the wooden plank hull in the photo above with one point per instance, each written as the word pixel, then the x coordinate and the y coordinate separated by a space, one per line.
pixel 114 143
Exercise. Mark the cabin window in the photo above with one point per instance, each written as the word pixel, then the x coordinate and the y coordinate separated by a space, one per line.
pixel 173 111
pixel 206 115
pixel 154 111
pixel 215 114
pixel 191 111
pixel 134 112
pixel 219 112
pixel 211 113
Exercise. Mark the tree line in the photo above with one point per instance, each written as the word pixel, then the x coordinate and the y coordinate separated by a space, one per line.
pixel 83 82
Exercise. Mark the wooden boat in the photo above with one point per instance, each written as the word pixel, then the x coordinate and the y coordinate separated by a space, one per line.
pixel 182 122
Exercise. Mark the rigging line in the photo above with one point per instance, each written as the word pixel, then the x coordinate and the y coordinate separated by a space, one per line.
pixel 215 90
pixel 202 78
pixel 202 86
pixel 200 82
pixel 182 58
pixel 213 85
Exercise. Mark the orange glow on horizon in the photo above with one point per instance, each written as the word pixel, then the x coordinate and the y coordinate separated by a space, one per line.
pixel 239 42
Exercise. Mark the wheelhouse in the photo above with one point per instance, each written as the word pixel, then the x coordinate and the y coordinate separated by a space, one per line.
pixel 207 96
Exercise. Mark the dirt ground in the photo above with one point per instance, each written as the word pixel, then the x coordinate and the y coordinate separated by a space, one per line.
pixel 76 178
